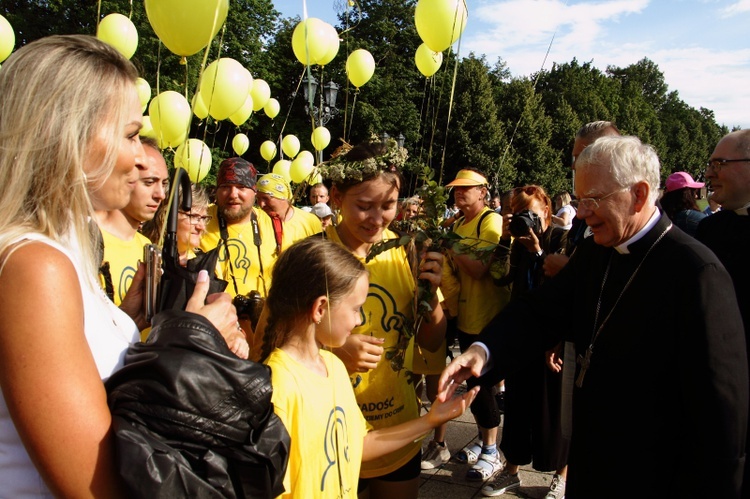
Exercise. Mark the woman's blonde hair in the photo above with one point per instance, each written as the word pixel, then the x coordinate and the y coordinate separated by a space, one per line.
pixel 58 94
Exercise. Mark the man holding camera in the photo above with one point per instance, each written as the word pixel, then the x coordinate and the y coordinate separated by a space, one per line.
pixel 653 308
pixel 479 301
pixel 246 232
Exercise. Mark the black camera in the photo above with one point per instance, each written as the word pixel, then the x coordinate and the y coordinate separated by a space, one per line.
pixel 523 221
pixel 249 307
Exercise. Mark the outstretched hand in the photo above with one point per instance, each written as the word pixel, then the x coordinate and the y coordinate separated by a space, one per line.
pixel 468 364
pixel 446 407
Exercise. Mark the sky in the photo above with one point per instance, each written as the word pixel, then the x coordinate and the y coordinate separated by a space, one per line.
pixel 701 46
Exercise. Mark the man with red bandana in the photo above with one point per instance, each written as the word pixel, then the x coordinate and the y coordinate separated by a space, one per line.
pixel 250 252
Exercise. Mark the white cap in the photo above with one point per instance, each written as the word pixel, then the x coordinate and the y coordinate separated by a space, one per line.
pixel 322 210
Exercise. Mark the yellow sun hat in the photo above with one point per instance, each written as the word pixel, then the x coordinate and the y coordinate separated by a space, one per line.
pixel 468 178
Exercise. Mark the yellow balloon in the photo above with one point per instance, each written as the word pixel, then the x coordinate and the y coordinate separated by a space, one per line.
pixel 144 92
pixel 360 66
pixel 320 138
pixel 332 43
pixel 7 39
pixel 178 156
pixel 290 145
pixel 440 22
pixel 282 167
pixel 164 144
pixel 306 157
pixel 272 108
pixel 268 150
pixel 199 107
pixel 301 167
pixel 147 130
pixel 195 157
pixel 119 31
pixel 260 92
pixel 170 116
pixel 240 143
pixel 428 61
pixel 310 41
pixel 315 179
pixel 243 114
pixel 186 26
pixel 224 87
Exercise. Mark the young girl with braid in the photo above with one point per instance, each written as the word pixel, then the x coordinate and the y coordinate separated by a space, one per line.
pixel 313 305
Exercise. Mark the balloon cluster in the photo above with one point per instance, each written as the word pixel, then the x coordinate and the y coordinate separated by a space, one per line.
pixel 439 24
pixel 226 89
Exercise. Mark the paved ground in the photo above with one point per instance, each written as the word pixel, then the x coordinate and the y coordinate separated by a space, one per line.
pixel 448 481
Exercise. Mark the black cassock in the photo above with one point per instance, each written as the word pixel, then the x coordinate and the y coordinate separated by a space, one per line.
pixel 662 411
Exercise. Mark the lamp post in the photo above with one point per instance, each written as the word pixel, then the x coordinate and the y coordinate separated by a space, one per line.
pixel 400 139
pixel 329 94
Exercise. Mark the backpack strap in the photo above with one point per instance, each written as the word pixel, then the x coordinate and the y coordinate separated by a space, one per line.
pixel 459 222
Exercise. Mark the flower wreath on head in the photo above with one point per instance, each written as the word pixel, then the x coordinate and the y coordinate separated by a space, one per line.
pixel 339 169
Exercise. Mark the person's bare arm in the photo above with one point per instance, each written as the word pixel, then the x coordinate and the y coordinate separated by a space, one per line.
pixel 49 378
pixel 386 440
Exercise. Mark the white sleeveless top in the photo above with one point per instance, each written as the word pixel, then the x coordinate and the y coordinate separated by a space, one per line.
pixel 109 332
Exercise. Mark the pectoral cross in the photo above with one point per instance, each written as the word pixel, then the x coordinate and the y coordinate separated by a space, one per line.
pixel 584 361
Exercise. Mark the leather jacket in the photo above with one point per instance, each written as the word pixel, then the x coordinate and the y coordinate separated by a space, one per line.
pixel 191 419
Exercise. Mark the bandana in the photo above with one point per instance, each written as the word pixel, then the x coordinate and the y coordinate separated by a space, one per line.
pixel 275 186
pixel 237 171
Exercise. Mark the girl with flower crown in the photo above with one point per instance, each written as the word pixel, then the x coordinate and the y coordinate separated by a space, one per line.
pixel 365 189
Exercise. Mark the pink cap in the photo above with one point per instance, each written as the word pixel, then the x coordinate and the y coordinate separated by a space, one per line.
pixel 680 180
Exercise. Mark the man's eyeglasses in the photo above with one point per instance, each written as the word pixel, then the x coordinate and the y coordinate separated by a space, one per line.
pixel 195 218
pixel 593 203
pixel 718 163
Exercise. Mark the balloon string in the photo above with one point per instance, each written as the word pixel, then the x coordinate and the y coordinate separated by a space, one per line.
pixel 288 111
pixel 435 111
pixel 98 14
pixel 354 104
pixel 448 122
pixel 353 3
pixel 496 173
pixel 422 117
pixel 202 70
pixel 130 16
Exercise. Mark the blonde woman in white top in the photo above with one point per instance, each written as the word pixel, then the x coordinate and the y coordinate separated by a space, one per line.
pixel 67 147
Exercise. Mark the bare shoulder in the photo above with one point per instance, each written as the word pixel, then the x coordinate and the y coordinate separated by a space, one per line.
pixel 33 263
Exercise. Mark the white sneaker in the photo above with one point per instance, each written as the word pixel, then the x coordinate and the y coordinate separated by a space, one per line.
pixel 435 456
pixel 556 488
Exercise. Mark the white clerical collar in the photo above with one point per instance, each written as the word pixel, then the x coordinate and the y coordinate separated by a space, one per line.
pixel 745 210
pixel 623 248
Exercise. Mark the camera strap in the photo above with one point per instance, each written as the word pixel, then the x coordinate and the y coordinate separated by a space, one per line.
pixel 224 233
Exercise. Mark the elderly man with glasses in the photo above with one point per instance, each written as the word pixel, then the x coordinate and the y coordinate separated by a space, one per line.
pixel 653 309
pixel 727 232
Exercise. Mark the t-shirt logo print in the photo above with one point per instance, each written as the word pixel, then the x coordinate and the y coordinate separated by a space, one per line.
pixel 336 447
pixel 389 320
pixel 240 261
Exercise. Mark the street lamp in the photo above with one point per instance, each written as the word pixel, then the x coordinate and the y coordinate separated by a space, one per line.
pixel 328 107
pixel 400 139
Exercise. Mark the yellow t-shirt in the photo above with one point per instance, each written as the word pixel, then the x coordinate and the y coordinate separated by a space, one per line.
pixel 479 299
pixel 325 424
pixel 300 226
pixel 243 253
pixel 123 257
pixel 385 394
